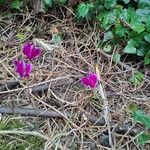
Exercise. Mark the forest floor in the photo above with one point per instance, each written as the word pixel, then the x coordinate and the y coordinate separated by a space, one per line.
pixel 65 114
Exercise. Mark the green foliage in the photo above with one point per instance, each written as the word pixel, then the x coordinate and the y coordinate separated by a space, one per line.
pixel 16 4
pixel 62 1
pixel 130 47
pixel 48 2
pixel 21 141
pixel 143 138
pixel 107 48
pixel 108 36
pixel 128 24
pixel 131 108
pixel 136 78
pixel 56 38
pixel 109 3
pixel 83 9
pixel 2 1
pixel 116 57
pixel 141 117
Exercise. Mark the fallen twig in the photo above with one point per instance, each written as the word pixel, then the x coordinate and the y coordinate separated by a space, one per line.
pixel 40 87
pixel 121 129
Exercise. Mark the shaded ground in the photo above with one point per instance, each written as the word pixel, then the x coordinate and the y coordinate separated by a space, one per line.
pixel 59 68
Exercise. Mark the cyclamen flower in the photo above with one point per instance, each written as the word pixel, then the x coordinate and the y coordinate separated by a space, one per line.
pixel 22 68
pixel 30 51
pixel 90 80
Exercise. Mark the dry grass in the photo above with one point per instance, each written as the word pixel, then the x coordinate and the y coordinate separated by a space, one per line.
pixel 70 59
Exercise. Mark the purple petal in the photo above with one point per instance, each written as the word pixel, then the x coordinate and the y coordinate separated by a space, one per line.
pixel 31 51
pixel 93 79
pixel 90 80
pixel 27 50
pixel 28 69
pixel 16 62
pixel 85 81
pixel 35 52
pixel 20 68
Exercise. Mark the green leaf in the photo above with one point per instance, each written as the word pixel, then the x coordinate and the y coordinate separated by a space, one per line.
pixel 147 38
pixel 62 1
pixel 137 26
pixel 107 48
pixel 106 19
pixel 83 9
pixel 131 108
pixel 147 58
pixel 107 36
pixel 56 38
pixel 109 3
pixel 143 138
pixel 15 4
pixel 130 47
pixel 21 36
pixel 141 117
pixel 120 30
pixel 2 1
pixel 137 78
pixel 116 57
pixel 126 1
pixel 144 4
pixel 143 14
pixel 48 2
pixel 140 52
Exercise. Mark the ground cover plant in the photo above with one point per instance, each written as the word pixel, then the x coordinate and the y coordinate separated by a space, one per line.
pixel 74 74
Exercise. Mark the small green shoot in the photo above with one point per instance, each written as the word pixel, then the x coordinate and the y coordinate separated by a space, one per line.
pixel 136 78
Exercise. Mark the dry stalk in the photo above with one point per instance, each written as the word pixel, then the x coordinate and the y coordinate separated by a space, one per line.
pixel 105 107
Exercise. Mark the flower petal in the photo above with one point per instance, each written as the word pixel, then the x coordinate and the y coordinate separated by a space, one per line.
pixel 85 81
pixel 35 52
pixel 20 68
pixel 93 80
pixel 90 80
pixel 28 69
pixel 27 50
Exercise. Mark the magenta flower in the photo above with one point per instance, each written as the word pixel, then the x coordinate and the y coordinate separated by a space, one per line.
pixel 31 51
pixel 90 80
pixel 22 68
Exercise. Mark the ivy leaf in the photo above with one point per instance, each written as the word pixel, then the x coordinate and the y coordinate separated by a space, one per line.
pixel 56 38
pixel 144 4
pixel 106 19
pixel 109 3
pixel 137 26
pixel 62 1
pixel 147 58
pixel 140 52
pixel 147 38
pixel 83 9
pixel 141 117
pixel 15 4
pixel 116 57
pixel 143 138
pixel 2 1
pixel 126 1
pixel 108 36
pixel 143 14
pixel 137 78
pixel 48 2
pixel 107 48
pixel 130 47
pixel 120 30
